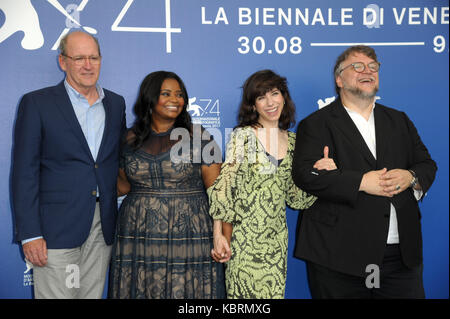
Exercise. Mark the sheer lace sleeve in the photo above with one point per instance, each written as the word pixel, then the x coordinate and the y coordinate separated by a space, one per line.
pixel 225 195
pixel 124 147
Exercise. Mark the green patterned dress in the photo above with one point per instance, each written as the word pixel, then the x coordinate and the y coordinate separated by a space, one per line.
pixel 251 193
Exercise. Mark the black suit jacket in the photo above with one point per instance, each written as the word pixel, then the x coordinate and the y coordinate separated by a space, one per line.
pixel 346 229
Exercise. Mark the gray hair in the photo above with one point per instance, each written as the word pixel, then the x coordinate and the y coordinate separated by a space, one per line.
pixel 63 42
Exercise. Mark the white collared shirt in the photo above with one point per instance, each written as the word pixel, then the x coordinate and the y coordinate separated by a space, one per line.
pixel 367 130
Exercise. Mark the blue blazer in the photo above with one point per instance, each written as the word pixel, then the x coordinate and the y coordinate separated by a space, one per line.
pixel 54 176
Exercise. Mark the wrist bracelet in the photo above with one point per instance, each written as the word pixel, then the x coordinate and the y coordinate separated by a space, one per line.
pixel 414 179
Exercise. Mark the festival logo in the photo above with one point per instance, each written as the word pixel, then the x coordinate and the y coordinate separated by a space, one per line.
pixel 28 274
pixel 328 100
pixel 20 16
pixel 321 103
pixel 168 30
pixel 205 111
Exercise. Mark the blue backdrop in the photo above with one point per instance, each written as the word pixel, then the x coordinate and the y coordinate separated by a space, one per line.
pixel 214 46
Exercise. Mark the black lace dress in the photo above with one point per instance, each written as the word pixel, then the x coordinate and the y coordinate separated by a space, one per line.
pixel 164 232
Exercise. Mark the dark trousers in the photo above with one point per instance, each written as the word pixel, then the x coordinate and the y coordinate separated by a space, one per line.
pixel 395 281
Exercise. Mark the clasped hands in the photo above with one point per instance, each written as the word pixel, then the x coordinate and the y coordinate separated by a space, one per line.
pixel 386 183
pixel 221 251
pixel 380 183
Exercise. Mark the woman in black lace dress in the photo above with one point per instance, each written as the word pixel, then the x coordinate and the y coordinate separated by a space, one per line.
pixel 164 232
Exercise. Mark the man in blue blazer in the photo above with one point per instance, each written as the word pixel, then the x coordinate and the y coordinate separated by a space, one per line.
pixel 66 158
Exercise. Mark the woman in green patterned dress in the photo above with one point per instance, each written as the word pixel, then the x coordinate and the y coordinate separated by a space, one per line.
pixel 252 190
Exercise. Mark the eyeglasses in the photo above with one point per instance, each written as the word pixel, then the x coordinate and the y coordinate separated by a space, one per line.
pixel 360 67
pixel 79 60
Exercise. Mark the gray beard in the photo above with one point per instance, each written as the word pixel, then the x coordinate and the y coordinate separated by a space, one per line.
pixel 361 94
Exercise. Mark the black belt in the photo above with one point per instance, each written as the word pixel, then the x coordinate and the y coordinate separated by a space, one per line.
pixel 97 199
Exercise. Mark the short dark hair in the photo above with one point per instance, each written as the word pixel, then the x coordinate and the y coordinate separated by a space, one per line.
pixel 259 83
pixel 363 49
pixel 147 99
